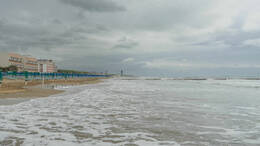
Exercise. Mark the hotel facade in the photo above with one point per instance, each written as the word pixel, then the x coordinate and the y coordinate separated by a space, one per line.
pixel 27 63
pixel 47 66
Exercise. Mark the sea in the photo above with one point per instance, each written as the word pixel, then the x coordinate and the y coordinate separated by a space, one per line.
pixel 139 112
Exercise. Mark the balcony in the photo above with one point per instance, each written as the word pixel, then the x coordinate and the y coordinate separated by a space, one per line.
pixel 14 59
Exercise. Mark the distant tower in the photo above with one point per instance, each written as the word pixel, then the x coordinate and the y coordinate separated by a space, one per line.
pixel 122 73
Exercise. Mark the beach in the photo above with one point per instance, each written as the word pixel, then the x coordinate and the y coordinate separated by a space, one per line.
pixel 16 91
pixel 138 112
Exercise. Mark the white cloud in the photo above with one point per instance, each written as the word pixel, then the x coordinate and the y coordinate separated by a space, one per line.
pixel 254 42
pixel 252 22
pixel 127 60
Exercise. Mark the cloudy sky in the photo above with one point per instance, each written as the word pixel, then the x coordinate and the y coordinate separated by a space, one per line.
pixel 143 37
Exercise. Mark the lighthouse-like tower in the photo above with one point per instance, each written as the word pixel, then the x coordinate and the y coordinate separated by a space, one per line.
pixel 122 73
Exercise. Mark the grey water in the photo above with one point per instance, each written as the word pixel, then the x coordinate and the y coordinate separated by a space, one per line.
pixel 137 112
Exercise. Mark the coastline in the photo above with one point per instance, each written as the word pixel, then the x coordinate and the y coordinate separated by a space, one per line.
pixel 15 91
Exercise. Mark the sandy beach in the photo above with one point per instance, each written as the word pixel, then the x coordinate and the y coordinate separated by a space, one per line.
pixel 16 91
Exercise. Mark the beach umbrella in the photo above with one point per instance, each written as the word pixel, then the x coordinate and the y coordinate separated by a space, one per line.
pixel 26 75
pixel 34 75
pixel 1 76
pixel 30 74
pixel 52 75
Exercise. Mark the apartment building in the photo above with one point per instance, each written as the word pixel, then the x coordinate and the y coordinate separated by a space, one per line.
pixel 7 59
pixel 30 64
pixel 27 63
pixel 46 66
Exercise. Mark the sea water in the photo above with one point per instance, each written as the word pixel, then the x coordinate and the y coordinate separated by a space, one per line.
pixel 139 112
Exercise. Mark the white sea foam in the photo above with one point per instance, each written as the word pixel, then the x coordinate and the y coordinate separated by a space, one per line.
pixel 136 112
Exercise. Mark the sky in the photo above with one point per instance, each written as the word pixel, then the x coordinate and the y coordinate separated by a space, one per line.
pixel 166 38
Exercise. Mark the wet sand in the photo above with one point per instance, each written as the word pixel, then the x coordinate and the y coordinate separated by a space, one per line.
pixel 16 91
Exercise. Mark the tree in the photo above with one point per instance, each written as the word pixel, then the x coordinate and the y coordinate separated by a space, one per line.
pixel 12 68
pixel 9 68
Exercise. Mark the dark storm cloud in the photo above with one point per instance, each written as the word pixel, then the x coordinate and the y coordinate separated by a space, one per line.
pixel 14 36
pixel 235 39
pixel 176 34
pixel 126 43
pixel 238 38
pixel 25 36
pixel 95 5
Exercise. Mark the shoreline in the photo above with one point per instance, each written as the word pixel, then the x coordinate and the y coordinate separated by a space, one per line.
pixel 15 91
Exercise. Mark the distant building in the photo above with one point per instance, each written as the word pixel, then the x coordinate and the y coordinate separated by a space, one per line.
pixel 30 64
pixel 46 66
pixel 8 59
pixel 27 63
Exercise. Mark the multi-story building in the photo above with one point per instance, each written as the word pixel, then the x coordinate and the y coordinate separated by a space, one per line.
pixel 27 63
pixel 30 64
pixel 46 66
pixel 8 59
